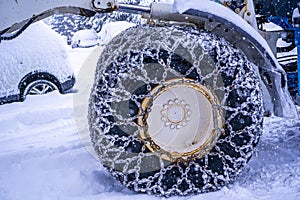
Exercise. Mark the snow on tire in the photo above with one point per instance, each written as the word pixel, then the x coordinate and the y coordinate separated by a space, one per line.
pixel 174 110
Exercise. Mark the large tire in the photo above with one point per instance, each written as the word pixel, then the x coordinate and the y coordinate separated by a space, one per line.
pixel 170 68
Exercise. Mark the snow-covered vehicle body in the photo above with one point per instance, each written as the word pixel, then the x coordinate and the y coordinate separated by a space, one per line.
pixel 177 105
pixel 23 63
pixel 85 38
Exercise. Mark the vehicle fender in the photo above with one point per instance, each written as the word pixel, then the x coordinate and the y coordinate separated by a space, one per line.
pixel 223 22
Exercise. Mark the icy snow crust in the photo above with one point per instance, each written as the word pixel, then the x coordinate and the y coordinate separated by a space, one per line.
pixel 38 49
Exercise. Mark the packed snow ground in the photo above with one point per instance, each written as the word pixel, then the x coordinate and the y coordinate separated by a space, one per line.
pixel 43 157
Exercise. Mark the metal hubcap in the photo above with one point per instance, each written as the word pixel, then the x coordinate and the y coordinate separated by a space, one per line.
pixel 40 88
pixel 182 120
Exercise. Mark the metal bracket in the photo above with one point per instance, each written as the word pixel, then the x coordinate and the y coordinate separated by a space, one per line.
pixel 104 5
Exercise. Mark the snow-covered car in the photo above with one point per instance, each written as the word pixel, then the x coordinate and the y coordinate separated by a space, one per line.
pixel 84 39
pixel 34 63
pixel 110 30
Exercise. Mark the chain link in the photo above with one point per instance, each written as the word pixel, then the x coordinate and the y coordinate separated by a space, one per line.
pixel 144 57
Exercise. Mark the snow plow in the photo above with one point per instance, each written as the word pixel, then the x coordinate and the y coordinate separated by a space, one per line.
pixel 177 104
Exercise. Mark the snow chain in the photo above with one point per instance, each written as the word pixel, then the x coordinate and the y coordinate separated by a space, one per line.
pixel 142 58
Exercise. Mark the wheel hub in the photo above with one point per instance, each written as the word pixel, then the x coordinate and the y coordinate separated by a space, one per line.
pixel 181 121
pixel 175 113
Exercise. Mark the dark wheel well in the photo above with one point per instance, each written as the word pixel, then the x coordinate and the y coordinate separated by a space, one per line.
pixel 33 76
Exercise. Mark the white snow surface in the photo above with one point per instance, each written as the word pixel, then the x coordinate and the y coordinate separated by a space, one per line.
pixel 296 13
pixel 43 157
pixel 85 38
pixel 110 30
pixel 272 27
